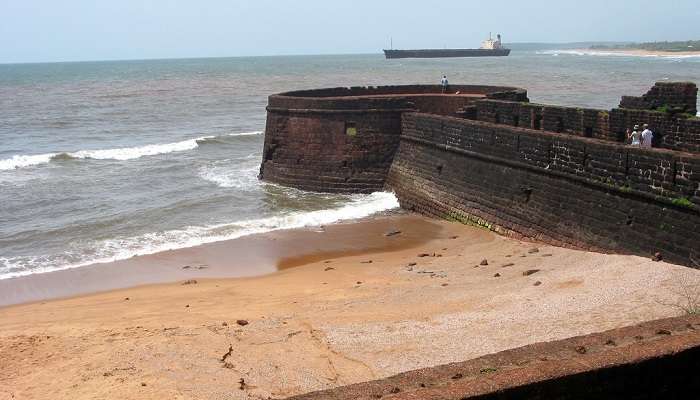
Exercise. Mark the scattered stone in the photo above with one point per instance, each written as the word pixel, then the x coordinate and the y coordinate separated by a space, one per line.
pixel 509 256
pixel 437 255
pixel 457 376
pixel 538 283
pixel 107 374
pixel 227 354
pixel 187 306
pixel 547 255
pixel 186 267
pixel 224 323
pixel 663 332
pixel 533 251
pixel 189 282
pixel 242 322
pixel 329 269
pixel 581 350
pixel 454 237
pixel 530 272
pixel 395 390
pixel 610 342
pixel 484 262
pixel 507 265
pixel 639 337
pixel 327 261
pixel 412 264
pixel 366 262
pixel 445 284
pixel 143 383
pixel 126 299
pixel 657 257
pixel 423 255
pixel 392 233
pixel 445 249
pixel 242 385
pixel 497 276
pixel 359 282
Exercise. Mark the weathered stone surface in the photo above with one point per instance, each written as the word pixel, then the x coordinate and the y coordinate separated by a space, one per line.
pixel 653 360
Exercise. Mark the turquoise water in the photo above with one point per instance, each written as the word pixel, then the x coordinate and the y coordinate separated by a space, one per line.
pixel 105 160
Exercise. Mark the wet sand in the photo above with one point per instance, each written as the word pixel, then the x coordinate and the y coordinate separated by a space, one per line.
pixel 248 256
pixel 345 316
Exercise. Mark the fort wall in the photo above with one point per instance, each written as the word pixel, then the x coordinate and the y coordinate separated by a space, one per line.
pixel 344 139
pixel 668 108
pixel 560 189
pixel 485 155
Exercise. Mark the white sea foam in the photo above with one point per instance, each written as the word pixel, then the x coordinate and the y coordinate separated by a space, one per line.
pixel 239 174
pixel 360 206
pixel 21 161
pixel 120 154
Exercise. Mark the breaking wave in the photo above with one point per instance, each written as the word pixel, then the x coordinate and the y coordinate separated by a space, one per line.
pixel 360 206
pixel 603 53
pixel 120 154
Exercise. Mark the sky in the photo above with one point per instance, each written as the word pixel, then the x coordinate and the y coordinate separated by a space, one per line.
pixel 74 30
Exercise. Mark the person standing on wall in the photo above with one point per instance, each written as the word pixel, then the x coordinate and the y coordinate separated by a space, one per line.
pixel 444 83
pixel 635 137
pixel 647 137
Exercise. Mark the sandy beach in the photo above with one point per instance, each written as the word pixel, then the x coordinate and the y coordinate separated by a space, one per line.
pixel 332 317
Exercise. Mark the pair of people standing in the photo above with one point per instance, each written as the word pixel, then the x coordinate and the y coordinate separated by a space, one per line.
pixel 641 139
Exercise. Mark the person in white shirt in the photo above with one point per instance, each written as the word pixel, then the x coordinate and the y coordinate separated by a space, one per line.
pixel 634 137
pixel 444 83
pixel 647 137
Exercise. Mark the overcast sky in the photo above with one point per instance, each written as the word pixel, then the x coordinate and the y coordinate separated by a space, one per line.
pixel 61 30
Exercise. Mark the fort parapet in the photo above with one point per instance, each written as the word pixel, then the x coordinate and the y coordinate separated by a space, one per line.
pixel 487 156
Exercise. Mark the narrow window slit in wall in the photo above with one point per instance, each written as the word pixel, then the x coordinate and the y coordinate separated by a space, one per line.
pixel 516 120
pixel 588 132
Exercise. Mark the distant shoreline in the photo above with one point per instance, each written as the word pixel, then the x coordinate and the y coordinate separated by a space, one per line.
pixel 639 52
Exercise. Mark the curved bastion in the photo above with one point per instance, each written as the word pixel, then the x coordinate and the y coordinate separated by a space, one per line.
pixel 344 139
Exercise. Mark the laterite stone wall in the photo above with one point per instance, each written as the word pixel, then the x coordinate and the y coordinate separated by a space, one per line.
pixel 344 139
pixel 561 189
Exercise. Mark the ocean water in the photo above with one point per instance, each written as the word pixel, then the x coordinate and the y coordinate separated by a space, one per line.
pixel 101 161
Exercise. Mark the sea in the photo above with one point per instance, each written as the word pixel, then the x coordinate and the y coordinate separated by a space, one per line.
pixel 104 161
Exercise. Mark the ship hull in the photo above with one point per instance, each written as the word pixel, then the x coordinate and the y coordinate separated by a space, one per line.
pixel 445 53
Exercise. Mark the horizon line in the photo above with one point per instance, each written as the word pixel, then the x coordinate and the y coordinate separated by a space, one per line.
pixel 252 56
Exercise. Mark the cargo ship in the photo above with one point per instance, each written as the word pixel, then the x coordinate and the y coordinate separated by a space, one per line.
pixel 489 48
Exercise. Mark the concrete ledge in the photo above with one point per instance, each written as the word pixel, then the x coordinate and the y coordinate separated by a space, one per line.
pixel 657 359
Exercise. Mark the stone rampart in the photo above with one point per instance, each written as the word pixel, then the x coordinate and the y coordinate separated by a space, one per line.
pixel 344 139
pixel 671 96
pixel 485 155
pixel 561 189
pixel 668 108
